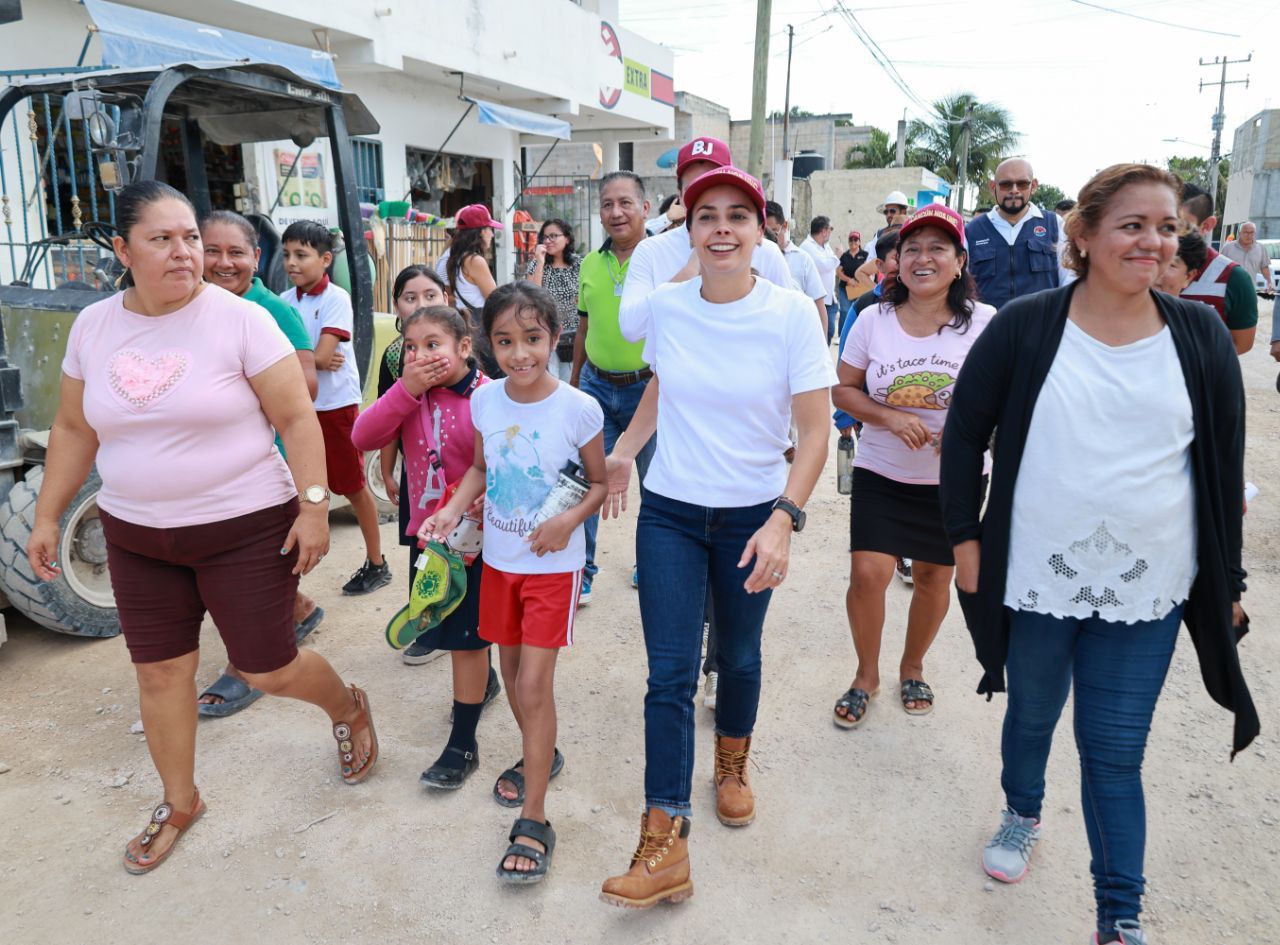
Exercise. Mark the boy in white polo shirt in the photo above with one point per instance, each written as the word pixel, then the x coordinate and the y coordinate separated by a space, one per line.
pixel 326 311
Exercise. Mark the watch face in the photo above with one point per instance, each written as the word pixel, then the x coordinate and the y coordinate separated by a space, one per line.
pixel 800 519
pixel 315 495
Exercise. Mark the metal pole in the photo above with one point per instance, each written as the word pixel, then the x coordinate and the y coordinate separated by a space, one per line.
pixel 964 154
pixel 786 108
pixel 759 88
pixel 1219 120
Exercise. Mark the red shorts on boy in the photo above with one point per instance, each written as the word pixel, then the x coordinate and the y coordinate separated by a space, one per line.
pixel 533 609
pixel 342 460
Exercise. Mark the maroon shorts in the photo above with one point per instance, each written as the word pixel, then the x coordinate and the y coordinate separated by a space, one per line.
pixel 342 461
pixel 166 578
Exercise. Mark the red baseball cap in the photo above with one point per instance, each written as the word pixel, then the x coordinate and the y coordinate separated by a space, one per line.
pixel 731 176
pixel 855 235
pixel 703 149
pixel 474 217
pixel 935 214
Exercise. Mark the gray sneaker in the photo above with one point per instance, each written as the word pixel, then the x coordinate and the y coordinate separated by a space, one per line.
pixel 1130 933
pixel 1009 851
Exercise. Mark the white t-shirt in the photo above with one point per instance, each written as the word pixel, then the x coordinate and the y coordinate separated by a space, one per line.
pixel 442 267
pixel 657 259
pixel 525 447
pixel 804 272
pixel 826 260
pixel 727 373
pixel 1104 517
pixel 328 312
pixel 915 375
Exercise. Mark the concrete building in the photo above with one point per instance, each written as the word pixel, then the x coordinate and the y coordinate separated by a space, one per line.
pixel 409 61
pixel 850 197
pixel 830 136
pixel 1253 189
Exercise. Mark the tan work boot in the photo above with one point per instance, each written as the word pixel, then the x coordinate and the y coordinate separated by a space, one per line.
pixel 659 867
pixel 735 801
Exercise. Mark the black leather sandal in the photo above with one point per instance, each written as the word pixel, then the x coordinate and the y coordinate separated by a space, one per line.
pixel 854 702
pixel 446 778
pixel 542 833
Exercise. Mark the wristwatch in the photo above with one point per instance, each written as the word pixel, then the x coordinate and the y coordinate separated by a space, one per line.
pixel 315 495
pixel 791 508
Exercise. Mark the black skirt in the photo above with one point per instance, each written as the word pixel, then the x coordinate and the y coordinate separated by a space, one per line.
pixel 897 518
pixel 461 629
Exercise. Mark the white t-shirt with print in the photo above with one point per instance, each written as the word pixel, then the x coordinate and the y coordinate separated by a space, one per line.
pixel 525 447
pixel 727 373
pixel 329 313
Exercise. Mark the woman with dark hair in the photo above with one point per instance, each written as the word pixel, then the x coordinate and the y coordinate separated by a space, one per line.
pixel 897 372
pixel 1114 515
pixel 184 380
pixel 468 277
pixel 555 267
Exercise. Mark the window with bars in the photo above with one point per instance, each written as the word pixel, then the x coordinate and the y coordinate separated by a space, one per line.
pixel 368 160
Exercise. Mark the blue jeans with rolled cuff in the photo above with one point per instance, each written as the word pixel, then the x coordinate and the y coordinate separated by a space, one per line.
pixel 1118 671
pixel 683 551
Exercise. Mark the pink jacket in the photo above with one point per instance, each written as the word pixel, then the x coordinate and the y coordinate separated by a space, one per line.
pixel 435 433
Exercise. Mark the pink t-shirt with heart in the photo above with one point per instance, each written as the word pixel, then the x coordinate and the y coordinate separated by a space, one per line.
pixel 182 436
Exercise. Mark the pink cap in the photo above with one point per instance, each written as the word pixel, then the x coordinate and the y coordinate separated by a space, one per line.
pixel 474 217
pixel 731 176
pixel 703 149
pixel 935 214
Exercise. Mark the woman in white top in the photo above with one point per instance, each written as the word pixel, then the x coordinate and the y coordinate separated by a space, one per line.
pixel 1115 511
pixel 733 356
pixel 468 277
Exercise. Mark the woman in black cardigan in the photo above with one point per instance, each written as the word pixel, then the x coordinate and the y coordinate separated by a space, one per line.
pixel 1114 515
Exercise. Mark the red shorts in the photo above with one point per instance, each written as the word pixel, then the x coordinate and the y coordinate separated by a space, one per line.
pixel 165 579
pixel 528 609
pixel 342 461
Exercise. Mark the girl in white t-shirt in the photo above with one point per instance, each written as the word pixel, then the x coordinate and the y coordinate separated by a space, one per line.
pixel 736 356
pixel 532 430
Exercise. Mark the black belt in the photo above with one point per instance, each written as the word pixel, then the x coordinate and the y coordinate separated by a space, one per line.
pixel 622 378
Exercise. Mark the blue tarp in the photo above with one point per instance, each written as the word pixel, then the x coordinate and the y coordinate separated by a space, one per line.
pixel 139 38
pixel 517 119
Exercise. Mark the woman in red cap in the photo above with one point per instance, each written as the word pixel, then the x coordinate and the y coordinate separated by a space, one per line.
pixel 897 372
pixel 468 276
pixel 736 355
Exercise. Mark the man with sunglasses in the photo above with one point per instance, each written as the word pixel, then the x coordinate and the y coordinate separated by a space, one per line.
pixel 1014 248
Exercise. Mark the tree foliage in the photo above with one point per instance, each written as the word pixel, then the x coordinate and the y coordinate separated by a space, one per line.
pixel 1048 196
pixel 879 151
pixel 937 143
pixel 1196 170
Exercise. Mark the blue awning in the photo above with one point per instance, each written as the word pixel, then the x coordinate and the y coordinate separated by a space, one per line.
pixel 132 38
pixel 517 119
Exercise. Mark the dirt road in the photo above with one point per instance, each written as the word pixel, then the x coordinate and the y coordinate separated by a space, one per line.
pixel 869 836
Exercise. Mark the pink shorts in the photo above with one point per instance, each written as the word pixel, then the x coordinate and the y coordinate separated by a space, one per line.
pixel 528 609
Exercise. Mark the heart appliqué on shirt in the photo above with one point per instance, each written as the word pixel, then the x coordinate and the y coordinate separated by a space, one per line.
pixel 141 380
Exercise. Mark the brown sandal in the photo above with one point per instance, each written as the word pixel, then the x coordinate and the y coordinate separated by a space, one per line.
pixel 345 732
pixel 165 815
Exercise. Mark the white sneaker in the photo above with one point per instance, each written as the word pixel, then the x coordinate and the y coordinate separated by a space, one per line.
pixel 709 690
pixel 903 567
pixel 1009 851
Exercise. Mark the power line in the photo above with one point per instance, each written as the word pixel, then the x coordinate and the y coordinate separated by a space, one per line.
pixel 1149 19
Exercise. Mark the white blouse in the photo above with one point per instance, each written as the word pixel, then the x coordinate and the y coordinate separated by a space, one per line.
pixel 1103 510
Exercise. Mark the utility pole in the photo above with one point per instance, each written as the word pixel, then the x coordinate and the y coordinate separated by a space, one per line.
pixel 1220 119
pixel 786 108
pixel 900 154
pixel 964 153
pixel 759 87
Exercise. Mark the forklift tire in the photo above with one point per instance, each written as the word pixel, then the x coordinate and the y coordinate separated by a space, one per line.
pixel 79 602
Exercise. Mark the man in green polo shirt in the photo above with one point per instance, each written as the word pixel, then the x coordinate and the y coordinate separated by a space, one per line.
pixel 606 365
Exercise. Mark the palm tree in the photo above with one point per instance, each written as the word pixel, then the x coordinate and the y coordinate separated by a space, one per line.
pixel 879 151
pixel 937 143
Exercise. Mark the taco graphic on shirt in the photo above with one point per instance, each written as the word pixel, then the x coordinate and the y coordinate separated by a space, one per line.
pixel 925 390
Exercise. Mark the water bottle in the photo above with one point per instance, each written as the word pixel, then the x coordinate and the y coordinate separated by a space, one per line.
pixel 570 488
pixel 844 464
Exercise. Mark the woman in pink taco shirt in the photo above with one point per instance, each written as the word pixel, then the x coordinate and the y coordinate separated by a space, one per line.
pixel 173 387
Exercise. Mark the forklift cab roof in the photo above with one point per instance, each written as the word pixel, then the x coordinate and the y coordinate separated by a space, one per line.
pixel 232 102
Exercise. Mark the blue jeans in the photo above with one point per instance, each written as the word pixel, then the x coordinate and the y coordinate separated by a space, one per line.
pixel 1118 670
pixel 833 315
pixel 683 550
pixel 844 303
pixel 619 405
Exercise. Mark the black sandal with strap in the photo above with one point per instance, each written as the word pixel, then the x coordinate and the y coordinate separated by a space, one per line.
pixel 540 832
pixel 517 778
pixel 917 691
pixel 854 702
pixel 447 778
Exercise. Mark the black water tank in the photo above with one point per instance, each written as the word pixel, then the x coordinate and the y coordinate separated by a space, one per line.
pixel 806 162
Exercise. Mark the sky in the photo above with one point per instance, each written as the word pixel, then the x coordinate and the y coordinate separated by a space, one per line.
pixel 1087 87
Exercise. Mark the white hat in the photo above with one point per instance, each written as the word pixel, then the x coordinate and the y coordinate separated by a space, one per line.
pixel 897 197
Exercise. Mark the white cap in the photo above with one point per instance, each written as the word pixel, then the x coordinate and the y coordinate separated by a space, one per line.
pixel 897 197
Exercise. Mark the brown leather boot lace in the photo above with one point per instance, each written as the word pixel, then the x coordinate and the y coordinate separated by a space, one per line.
pixel 731 764
pixel 654 846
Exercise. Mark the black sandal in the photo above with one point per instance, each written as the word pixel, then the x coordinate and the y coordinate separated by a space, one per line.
pixel 917 691
pixel 542 833
pixel 854 702
pixel 517 778
pixel 446 778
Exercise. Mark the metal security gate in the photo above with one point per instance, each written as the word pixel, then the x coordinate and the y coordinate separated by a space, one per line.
pixel 575 200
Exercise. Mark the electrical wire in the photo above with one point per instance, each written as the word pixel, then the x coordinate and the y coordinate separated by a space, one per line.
pixel 1148 19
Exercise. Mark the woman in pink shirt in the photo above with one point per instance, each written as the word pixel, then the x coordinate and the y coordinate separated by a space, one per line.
pixel 173 387
pixel 897 372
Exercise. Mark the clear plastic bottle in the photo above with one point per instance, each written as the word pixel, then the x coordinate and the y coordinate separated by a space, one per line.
pixel 570 488
pixel 844 464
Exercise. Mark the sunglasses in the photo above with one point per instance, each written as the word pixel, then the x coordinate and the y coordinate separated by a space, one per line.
pixel 1014 184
